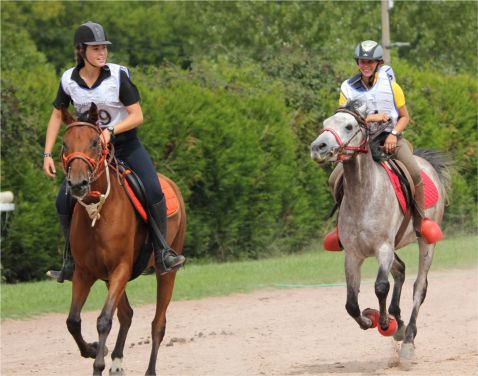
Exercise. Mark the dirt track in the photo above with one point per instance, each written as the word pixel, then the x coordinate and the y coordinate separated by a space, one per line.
pixel 295 331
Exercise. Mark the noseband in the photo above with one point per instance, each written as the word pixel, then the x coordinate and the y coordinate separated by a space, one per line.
pixel 344 146
pixel 94 164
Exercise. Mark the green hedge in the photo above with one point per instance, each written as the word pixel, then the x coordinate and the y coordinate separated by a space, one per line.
pixel 235 137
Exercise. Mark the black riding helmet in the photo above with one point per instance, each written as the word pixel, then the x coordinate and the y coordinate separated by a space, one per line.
pixel 369 50
pixel 91 34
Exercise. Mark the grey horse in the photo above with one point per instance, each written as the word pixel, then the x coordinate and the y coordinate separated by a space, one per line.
pixel 370 217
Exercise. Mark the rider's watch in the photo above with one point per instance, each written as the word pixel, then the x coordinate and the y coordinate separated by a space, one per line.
pixel 112 132
pixel 395 133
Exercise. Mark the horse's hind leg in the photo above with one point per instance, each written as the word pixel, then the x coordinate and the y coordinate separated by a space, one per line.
pixel 398 273
pixel 352 276
pixel 165 284
pixel 419 293
pixel 125 316
pixel 81 286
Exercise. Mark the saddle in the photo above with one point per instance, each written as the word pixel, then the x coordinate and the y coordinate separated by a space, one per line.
pixel 404 188
pixel 136 193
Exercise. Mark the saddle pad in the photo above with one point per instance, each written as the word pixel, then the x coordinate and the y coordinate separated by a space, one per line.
pixel 172 203
pixel 430 189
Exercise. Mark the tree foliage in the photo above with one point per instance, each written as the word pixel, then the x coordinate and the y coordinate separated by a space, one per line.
pixel 233 94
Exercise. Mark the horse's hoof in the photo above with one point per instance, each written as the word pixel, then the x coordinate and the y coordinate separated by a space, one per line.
pixel 407 351
pixel 117 368
pixel 399 334
pixel 391 329
pixel 373 315
pixel 93 351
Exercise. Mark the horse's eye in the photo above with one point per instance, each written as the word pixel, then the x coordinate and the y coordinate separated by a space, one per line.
pixel 65 146
pixel 94 143
pixel 349 127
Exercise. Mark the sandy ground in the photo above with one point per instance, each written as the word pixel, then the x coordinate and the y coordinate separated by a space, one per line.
pixel 293 331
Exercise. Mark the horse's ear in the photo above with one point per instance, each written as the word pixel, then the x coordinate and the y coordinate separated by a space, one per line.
pixel 362 108
pixel 93 114
pixel 66 116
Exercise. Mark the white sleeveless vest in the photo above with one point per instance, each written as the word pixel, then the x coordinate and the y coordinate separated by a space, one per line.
pixel 379 97
pixel 106 96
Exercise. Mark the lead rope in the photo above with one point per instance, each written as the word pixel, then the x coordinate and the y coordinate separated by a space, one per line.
pixel 93 210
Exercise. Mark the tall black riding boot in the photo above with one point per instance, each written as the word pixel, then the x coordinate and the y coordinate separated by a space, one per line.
pixel 68 266
pixel 164 256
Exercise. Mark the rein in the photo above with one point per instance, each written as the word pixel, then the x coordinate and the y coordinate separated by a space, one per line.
pixel 344 146
pixel 94 165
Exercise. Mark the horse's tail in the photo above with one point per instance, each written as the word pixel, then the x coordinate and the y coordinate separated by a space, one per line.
pixel 442 164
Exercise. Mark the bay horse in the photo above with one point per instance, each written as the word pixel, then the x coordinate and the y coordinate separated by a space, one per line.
pixel 369 219
pixel 108 247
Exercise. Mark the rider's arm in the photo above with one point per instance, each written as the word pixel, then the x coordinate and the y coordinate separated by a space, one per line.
pixel 403 116
pixel 129 96
pixel 51 133
pixel 133 120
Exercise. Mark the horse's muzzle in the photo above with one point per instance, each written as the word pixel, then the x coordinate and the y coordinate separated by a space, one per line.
pixel 78 189
pixel 320 152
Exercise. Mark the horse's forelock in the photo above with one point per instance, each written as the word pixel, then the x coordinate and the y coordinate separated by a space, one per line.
pixel 89 116
pixel 356 106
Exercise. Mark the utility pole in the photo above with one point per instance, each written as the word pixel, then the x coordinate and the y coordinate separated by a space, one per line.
pixel 386 31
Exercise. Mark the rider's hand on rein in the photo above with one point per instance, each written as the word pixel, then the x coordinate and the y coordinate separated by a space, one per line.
pixel 390 143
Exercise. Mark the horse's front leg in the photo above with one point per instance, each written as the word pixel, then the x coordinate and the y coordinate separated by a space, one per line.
pixel 385 257
pixel 352 276
pixel 81 286
pixel 407 350
pixel 398 273
pixel 116 287
pixel 125 316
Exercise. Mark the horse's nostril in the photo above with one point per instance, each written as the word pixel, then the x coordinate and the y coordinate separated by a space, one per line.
pixel 69 183
pixel 84 183
pixel 318 147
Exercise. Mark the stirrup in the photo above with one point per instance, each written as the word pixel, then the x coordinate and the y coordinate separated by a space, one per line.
pixel 66 272
pixel 332 241
pixel 161 255
pixel 430 231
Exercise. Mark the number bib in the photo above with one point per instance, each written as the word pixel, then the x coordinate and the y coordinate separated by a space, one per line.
pixel 106 96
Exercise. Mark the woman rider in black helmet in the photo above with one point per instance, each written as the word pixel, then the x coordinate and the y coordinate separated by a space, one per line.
pixel 117 98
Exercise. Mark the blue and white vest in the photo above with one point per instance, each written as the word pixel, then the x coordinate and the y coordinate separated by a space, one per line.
pixel 379 97
pixel 106 96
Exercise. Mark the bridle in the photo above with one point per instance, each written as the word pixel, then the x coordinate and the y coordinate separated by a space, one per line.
pixel 95 169
pixel 344 146
pixel 94 164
